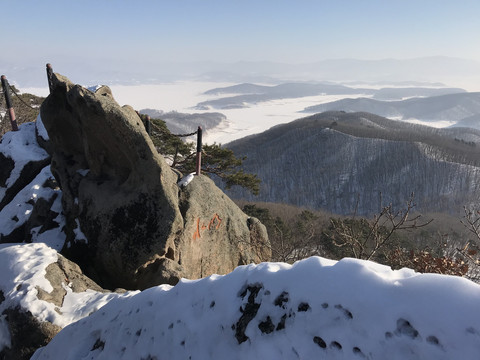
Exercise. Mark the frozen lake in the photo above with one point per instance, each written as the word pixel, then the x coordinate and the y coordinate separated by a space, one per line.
pixel 184 96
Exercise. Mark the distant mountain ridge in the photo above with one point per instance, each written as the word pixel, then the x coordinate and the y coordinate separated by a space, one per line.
pixel 252 93
pixel 452 107
pixel 396 93
pixel 30 72
pixel 333 160
pixel 246 94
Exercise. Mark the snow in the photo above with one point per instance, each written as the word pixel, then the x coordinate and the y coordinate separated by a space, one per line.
pixel 94 88
pixel 42 132
pixel 184 181
pixel 23 270
pixel 17 212
pixel 435 124
pixel 21 147
pixel 316 308
pixel 185 95
pixel 175 96
pixel 79 235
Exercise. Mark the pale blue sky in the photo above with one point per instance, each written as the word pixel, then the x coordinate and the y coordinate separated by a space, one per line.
pixel 275 30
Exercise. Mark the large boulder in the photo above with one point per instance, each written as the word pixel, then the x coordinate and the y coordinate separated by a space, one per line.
pixel 139 228
pixel 216 237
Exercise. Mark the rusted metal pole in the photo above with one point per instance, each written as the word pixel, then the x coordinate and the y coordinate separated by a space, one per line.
pixel 8 99
pixel 199 150
pixel 50 77
pixel 148 127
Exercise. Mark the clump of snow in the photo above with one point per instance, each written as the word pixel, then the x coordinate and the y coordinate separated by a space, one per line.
pixel 22 147
pixel 79 235
pixel 187 179
pixel 94 88
pixel 23 269
pixel 42 132
pixel 316 308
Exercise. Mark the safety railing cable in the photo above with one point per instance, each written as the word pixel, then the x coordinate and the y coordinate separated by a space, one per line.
pixel 177 135
pixel 19 98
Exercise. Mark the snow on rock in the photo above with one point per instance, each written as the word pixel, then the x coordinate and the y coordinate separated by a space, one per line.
pixel 16 213
pixel 313 309
pixel 22 148
pixel 184 181
pixel 23 268
pixel 94 88
pixel 42 132
pixel 79 235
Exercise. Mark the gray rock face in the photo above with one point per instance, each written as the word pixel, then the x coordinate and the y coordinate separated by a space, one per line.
pixel 65 271
pixel 27 334
pixel 122 195
pixel 217 236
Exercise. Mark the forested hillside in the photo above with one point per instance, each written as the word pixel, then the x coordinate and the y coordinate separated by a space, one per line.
pixel 341 161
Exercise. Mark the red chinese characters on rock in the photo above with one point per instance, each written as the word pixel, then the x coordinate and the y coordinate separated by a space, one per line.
pixel 213 224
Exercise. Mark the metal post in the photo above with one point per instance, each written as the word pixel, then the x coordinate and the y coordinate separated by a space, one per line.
pixel 50 77
pixel 11 112
pixel 148 127
pixel 199 149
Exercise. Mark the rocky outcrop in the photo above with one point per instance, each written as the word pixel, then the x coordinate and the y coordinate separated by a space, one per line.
pixel 65 271
pixel 27 334
pixel 32 313
pixel 217 237
pixel 139 228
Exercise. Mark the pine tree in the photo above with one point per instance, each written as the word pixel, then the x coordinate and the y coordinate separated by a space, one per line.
pixel 216 160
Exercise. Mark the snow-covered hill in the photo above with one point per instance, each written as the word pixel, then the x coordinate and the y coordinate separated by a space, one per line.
pixel 315 309
pixel 340 162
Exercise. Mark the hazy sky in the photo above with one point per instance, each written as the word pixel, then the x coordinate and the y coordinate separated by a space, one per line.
pixel 222 30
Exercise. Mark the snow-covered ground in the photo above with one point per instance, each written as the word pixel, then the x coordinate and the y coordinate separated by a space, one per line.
pixel 22 269
pixel 435 124
pixel 314 309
